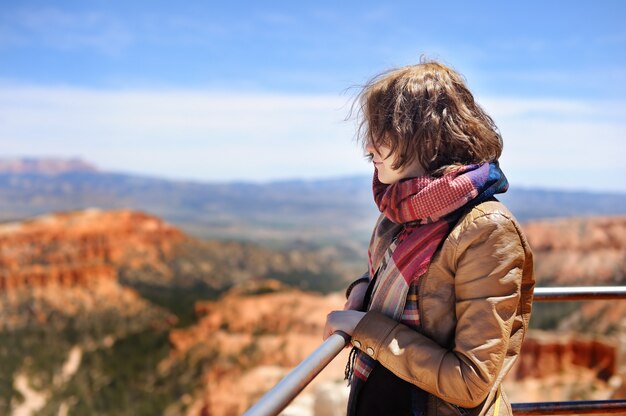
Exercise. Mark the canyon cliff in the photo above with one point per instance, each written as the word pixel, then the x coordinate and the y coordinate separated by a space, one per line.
pixel 107 286
pixel 75 249
pixel 256 333
pixel 111 284
pixel 259 333
pixel 78 248
pixel 62 266
pixel 579 251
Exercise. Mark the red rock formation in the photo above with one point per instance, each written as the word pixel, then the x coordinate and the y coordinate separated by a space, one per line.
pixel 68 276
pixel 65 265
pixel 75 249
pixel 559 367
pixel 582 252
pixel 252 340
pixel 544 355
pixel 579 251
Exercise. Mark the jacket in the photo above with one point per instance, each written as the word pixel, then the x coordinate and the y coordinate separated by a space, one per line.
pixel 474 303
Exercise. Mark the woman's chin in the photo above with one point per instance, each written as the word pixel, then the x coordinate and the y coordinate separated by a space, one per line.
pixel 381 179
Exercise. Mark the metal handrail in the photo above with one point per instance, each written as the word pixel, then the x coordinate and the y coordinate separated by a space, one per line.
pixel 293 383
pixel 558 294
pixel 275 400
pixel 586 407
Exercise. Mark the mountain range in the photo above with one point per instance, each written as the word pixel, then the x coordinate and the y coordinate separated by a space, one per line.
pixel 282 212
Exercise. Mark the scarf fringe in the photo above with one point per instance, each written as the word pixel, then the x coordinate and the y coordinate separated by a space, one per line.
pixel 349 371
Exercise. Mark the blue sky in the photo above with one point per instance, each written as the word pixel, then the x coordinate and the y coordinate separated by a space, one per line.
pixel 260 90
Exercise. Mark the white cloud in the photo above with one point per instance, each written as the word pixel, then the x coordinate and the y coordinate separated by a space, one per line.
pixel 211 135
pixel 201 135
pixel 563 143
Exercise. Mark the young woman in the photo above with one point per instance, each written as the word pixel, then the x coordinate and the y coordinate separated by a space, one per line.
pixel 439 318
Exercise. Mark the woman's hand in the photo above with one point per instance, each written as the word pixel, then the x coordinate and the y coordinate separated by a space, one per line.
pixel 344 321
pixel 357 295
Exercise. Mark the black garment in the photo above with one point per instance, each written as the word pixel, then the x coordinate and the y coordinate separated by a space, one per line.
pixel 384 394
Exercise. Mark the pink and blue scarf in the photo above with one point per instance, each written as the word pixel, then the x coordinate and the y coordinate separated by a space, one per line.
pixel 417 215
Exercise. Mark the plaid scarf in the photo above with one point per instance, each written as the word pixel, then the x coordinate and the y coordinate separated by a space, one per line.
pixel 418 214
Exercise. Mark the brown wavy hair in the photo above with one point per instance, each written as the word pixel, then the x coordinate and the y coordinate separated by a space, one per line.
pixel 426 111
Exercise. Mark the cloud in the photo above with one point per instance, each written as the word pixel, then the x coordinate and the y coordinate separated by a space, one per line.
pixel 201 135
pixel 219 135
pixel 560 143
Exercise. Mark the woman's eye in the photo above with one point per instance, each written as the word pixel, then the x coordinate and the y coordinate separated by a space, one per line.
pixel 369 157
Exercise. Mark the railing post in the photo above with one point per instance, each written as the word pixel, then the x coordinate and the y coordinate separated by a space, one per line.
pixel 618 381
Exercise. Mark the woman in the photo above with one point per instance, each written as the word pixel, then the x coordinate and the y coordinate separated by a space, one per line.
pixel 439 318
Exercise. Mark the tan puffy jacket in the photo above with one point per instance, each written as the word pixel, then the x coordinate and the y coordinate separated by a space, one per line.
pixel 474 305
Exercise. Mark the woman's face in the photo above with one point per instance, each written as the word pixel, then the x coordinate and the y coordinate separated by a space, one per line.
pixel 384 161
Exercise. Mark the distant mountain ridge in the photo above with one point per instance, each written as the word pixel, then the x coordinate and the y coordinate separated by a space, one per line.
pixel 318 211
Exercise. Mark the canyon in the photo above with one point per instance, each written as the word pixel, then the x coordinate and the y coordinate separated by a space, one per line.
pixel 102 281
pixel 269 333
pixel 94 281
pixel 77 248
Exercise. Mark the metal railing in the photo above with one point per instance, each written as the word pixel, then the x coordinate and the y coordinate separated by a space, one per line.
pixel 591 407
pixel 275 400
pixel 559 294
pixel 293 383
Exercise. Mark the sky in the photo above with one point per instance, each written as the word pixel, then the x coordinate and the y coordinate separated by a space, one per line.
pixel 259 91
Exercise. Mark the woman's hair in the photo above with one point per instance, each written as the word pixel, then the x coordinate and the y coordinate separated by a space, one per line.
pixel 426 111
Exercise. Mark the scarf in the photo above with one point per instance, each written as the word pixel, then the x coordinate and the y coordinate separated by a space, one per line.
pixel 418 214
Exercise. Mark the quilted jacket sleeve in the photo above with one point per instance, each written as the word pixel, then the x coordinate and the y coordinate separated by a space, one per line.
pixel 486 261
